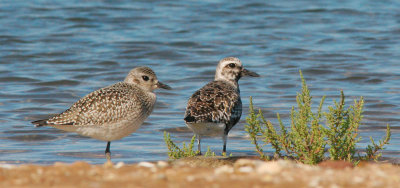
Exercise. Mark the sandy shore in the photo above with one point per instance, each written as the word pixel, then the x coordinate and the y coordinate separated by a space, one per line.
pixel 202 172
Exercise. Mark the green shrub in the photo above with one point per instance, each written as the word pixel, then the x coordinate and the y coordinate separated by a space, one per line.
pixel 307 139
pixel 175 152
pixel 373 152
pixel 210 153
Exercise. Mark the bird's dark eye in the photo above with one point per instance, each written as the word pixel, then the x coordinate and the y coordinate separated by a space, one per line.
pixel 232 65
pixel 145 78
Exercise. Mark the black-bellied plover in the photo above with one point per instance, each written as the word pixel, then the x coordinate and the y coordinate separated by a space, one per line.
pixel 215 108
pixel 112 112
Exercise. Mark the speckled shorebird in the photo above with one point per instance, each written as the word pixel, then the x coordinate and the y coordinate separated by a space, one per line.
pixel 215 108
pixel 112 112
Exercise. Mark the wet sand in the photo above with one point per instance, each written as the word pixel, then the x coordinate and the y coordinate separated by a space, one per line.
pixel 202 172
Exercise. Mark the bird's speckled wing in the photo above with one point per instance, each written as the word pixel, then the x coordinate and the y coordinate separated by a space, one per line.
pixel 217 102
pixel 106 105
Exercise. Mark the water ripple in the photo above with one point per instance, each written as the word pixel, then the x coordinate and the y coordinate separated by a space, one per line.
pixel 53 53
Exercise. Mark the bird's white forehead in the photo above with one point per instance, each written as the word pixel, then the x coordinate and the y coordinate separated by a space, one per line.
pixel 229 60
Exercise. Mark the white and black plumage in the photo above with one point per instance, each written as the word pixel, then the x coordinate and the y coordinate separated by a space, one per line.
pixel 112 112
pixel 215 108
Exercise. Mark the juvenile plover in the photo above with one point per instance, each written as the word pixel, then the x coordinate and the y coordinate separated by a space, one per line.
pixel 112 112
pixel 215 108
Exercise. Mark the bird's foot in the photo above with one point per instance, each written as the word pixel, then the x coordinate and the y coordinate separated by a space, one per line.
pixel 108 157
pixel 108 163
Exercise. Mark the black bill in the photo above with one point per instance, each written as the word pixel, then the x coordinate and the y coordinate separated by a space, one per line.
pixel 163 86
pixel 246 72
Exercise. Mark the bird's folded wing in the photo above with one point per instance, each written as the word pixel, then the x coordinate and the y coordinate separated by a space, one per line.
pixel 214 103
pixel 106 105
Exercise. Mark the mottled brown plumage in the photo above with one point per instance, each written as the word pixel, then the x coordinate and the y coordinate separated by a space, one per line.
pixel 112 112
pixel 217 102
pixel 215 108
pixel 105 106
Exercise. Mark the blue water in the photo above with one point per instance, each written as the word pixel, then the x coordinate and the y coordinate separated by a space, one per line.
pixel 54 52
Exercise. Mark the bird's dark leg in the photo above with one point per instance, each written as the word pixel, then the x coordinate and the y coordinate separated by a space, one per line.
pixel 224 138
pixel 198 144
pixel 108 152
